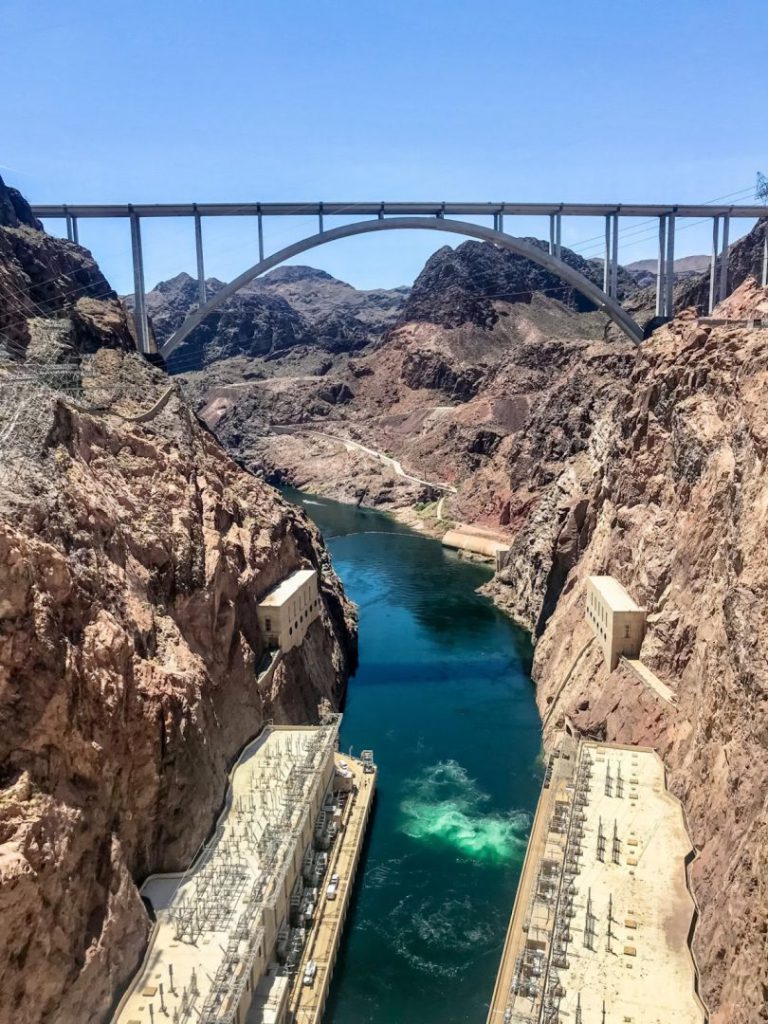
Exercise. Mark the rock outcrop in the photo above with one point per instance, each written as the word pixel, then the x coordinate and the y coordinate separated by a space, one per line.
pixel 461 285
pixel 745 260
pixel 133 552
pixel 39 275
pixel 643 272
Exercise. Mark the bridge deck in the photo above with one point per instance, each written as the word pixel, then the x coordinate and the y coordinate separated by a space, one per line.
pixel 431 209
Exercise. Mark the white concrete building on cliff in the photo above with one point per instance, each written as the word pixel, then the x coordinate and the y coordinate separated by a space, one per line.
pixel 287 611
pixel 616 620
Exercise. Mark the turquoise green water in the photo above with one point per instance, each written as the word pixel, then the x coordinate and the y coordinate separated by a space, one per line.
pixel 443 696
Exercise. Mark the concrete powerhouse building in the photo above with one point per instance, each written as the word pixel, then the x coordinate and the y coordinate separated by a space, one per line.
pixel 616 620
pixel 244 927
pixel 600 931
pixel 287 611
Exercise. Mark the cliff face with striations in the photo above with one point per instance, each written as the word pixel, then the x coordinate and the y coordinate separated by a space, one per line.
pixel 133 552
pixel 673 500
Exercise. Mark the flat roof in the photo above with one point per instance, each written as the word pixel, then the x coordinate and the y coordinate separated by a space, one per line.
pixel 614 594
pixel 284 591
pixel 209 918
pixel 604 913
pixel 647 974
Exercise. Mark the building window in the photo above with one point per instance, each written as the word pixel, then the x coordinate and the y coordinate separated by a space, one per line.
pixel 269 625
pixel 626 632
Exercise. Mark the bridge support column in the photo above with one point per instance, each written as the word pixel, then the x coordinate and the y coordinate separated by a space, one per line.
pixel 555 234
pixel 670 281
pixel 202 296
pixel 70 227
pixel 723 284
pixel 661 268
pixel 764 280
pixel 139 298
pixel 611 265
pixel 320 220
pixel 713 264
pixel 261 235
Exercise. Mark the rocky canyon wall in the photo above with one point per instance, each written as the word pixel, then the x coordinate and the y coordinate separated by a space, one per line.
pixel 133 553
pixel 671 497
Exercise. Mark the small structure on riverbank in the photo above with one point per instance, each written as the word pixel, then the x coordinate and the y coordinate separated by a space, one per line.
pixel 286 612
pixel 477 540
pixel 616 620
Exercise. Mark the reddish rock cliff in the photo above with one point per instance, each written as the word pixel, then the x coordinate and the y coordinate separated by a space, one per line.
pixel 133 552
pixel 674 502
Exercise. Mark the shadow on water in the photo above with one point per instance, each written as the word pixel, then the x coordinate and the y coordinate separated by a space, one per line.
pixel 443 695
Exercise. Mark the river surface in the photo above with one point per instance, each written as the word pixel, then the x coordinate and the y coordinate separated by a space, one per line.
pixel 444 697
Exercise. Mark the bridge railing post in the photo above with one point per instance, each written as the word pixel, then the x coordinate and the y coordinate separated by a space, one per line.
pixel 139 296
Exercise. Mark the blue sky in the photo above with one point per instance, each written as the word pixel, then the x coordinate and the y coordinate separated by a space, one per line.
pixel 487 100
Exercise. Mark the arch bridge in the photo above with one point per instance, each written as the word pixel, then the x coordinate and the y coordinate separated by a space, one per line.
pixel 435 217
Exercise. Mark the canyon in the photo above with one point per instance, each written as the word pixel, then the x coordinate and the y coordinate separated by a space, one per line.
pixel 586 455
pixel 139 530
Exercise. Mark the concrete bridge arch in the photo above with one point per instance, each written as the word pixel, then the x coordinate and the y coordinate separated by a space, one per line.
pixel 607 305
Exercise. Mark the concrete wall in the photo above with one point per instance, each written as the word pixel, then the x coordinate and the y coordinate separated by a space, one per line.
pixel 476 543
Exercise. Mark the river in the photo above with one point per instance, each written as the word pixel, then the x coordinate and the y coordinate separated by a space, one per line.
pixel 443 695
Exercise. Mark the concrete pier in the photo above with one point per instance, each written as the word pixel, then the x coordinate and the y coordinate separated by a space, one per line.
pixel 307 1002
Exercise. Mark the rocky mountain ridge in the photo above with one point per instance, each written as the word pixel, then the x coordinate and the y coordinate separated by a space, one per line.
pixel 450 383
pixel 460 285
pixel 294 311
pixel 643 272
